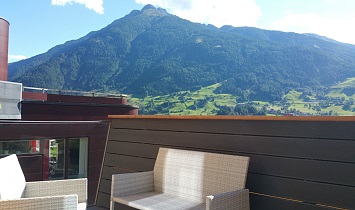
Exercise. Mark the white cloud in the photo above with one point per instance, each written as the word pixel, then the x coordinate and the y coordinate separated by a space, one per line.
pixel 96 5
pixel 216 12
pixel 339 29
pixel 13 58
pixel 335 25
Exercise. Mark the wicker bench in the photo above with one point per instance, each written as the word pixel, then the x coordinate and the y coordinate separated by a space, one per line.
pixel 17 194
pixel 185 180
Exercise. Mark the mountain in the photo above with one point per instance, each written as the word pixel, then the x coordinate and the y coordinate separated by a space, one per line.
pixel 151 52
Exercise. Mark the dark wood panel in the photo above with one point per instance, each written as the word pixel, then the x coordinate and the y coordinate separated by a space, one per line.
pixel 31 166
pixel 306 129
pixel 93 178
pixel 94 173
pixel 258 202
pixel 310 192
pixel 95 158
pixel 37 130
pixel 107 172
pixel 321 171
pixel 97 143
pixel 64 111
pixel 311 170
pixel 136 149
pixel 105 186
pixel 337 150
pixel 103 200
pixel 92 190
pixel 129 162
pixel 34 177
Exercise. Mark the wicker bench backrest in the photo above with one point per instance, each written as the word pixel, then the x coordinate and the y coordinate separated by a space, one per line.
pixel 194 175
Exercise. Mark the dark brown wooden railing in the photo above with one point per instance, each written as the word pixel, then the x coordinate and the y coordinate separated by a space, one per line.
pixel 296 162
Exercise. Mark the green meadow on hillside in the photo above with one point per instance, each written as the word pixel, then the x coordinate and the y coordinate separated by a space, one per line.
pixel 336 101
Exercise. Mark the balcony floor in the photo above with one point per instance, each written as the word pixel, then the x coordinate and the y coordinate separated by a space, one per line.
pixel 95 208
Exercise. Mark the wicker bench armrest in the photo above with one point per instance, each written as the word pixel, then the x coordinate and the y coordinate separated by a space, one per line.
pixel 132 183
pixel 67 202
pixel 230 200
pixel 57 188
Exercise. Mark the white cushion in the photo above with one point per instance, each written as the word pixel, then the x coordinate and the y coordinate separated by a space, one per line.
pixel 12 180
pixel 157 200
pixel 82 206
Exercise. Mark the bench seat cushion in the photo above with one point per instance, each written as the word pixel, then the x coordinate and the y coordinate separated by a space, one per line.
pixel 12 180
pixel 82 206
pixel 159 201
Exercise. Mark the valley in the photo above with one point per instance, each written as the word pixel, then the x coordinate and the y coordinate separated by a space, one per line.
pixel 205 102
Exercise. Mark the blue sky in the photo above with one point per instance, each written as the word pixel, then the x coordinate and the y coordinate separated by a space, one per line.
pixel 38 25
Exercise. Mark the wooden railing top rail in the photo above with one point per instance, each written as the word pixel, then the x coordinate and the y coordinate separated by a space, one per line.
pixel 246 118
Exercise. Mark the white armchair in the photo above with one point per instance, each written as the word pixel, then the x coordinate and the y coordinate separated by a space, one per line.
pixel 16 193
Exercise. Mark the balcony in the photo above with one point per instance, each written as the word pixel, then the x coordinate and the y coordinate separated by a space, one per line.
pixel 295 162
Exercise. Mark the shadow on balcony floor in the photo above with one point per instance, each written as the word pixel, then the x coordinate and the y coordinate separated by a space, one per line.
pixel 95 208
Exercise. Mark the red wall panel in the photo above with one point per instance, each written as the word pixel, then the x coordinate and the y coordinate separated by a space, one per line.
pixel 37 110
pixel 4 43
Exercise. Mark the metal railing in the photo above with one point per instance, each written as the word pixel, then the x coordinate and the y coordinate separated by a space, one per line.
pixel 72 92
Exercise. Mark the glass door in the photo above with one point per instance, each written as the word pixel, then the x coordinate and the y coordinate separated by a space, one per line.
pixel 77 163
pixel 56 159
pixel 68 158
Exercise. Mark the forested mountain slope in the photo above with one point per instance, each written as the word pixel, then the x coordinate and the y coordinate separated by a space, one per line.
pixel 151 52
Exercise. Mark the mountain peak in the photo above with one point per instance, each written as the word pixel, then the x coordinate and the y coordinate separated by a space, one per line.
pixel 150 10
pixel 148 7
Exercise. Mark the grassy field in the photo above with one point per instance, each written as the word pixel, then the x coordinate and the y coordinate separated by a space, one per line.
pixel 185 102
pixel 350 82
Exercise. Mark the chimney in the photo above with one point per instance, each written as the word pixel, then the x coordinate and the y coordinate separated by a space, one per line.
pixel 4 48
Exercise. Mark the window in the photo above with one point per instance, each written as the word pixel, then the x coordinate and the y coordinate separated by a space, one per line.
pixel 19 147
